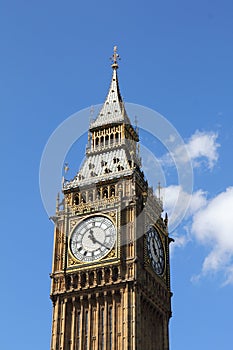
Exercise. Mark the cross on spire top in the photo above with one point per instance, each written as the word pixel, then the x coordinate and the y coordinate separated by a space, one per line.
pixel 115 58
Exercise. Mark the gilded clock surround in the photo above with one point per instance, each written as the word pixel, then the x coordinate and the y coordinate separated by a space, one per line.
pixel 117 302
pixel 109 255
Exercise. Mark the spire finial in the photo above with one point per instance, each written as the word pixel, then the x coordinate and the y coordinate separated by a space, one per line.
pixel 115 57
pixel 66 168
pixel 159 188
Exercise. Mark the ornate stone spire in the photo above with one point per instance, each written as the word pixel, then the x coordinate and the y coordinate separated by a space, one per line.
pixel 112 141
pixel 113 110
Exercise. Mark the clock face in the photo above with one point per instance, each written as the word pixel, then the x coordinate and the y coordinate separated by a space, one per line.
pixel 155 250
pixel 93 238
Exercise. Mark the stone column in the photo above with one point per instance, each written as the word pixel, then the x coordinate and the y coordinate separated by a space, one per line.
pixel 54 339
pixel 63 321
pixel 73 322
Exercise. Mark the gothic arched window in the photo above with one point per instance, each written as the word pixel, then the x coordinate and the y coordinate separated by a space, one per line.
pixel 91 278
pixel 112 191
pixel 115 274
pixel 76 199
pixel 105 192
pixel 99 277
pixel 90 196
pixel 111 138
pixel 107 275
pixel 83 196
pixel 83 280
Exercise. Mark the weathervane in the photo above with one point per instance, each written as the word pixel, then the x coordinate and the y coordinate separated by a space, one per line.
pixel 115 58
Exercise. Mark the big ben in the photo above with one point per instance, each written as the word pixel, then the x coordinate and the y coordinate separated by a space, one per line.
pixel 111 273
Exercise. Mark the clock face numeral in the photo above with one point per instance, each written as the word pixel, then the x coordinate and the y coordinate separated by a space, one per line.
pixel 93 238
pixel 155 250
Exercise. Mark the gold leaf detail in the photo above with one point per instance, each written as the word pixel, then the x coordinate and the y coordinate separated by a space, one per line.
pixel 59 238
pixel 73 223
pixel 111 254
pixel 72 261
pixel 68 198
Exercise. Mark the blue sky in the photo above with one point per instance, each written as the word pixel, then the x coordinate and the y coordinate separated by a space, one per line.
pixel 176 59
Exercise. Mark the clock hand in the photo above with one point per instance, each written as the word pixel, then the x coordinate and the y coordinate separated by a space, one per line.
pixel 94 240
pixel 91 236
pixel 105 246
pixel 155 250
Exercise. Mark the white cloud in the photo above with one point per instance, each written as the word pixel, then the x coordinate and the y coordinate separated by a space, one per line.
pixel 209 222
pixel 201 149
pixel 203 145
pixel 180 241
pixel 198 201
pixel 212 226
pixel 180 205
pixel 228 275
pixel 216 220
pixel 177 202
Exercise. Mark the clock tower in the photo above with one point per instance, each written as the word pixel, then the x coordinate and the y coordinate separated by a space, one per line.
pixel 110 274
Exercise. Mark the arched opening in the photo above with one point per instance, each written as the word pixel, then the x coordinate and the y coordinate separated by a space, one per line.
pixel 111 139
pixel 83 280
pixel 75 281
pixel 90 197
pixel 115 274
pixel 105 192
pixel 112 191
pixel 76 199
pixel 91 278
pixel 99 277
pixel 107 275
pixel 68 282
pixel 120 167
pixel 83 198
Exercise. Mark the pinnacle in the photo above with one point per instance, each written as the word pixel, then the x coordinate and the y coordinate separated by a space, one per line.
pixel 113 110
